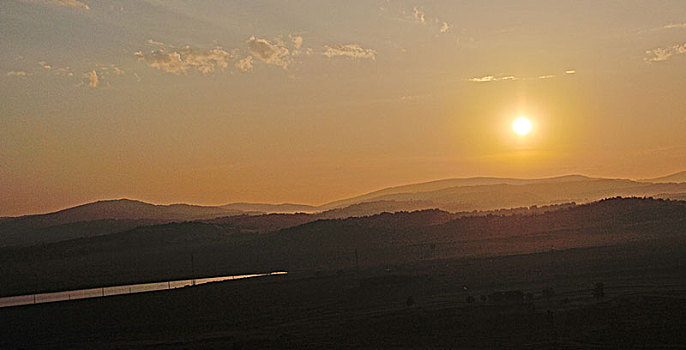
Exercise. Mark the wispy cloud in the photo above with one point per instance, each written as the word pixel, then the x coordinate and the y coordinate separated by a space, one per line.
pixel 179 60
pixel 102 75
pixel 271 53
pixel 416 15
pixel 91 79
pixel 353 51
pixel 664 53
pixel 493 78
pixel 14 73
pixel 68 3
pixel 245 64
pixel 297 41
pixel 675 26
pixel 156 43
pixel 419 15
pixel 63 71
pixel 298 49
pixel 72 3
pixel 110 69
pixel 489 78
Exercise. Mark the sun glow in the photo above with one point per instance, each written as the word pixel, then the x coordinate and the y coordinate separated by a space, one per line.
pixel 521 126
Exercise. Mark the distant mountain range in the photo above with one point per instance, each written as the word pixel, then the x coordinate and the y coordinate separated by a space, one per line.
pixel 285 208
pixel 484 193
pixel 674 178
pixel 451 195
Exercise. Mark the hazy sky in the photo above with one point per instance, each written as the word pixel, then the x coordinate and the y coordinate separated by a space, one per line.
pixel 215 101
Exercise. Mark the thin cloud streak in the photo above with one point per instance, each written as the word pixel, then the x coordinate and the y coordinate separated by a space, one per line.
pixel 66 3
pixel 675 26
pixel 489 78
pixel 493 78
pixel 184 59
pixel 17 74
pixel 352 51
pixel 664 53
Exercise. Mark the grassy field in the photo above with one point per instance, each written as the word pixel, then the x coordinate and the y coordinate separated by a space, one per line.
pixel 422 305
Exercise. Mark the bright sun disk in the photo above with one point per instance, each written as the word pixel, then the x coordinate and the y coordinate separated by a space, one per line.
pixel 521 126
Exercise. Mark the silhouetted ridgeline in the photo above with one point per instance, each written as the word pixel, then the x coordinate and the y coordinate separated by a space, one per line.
pixel 453 195
pixel 179 250
pixel 98 218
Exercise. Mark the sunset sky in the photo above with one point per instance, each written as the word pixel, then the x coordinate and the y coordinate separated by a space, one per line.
pixel 211 102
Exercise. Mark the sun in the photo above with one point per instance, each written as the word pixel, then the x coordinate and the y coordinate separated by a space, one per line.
pixel 521 126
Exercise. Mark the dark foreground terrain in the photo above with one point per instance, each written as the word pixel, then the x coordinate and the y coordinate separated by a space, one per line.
pixel 421 305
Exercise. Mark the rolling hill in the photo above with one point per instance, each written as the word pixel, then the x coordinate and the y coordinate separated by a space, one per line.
pixel 494 193
pixel 452 195
pixel 283 208
pixel 673 178
pixel 179 250
pixel 98 218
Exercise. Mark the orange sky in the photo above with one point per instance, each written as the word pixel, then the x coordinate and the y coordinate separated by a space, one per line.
pixel 314 101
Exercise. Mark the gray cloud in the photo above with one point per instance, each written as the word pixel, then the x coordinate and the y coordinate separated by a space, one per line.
pixel 271 53
pixel 352 51
pixel 185 59
pixel 664 53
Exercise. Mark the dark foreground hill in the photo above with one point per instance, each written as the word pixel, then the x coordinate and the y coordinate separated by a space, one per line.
pixel 608 275
pixel 433 304
pixel 180 250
